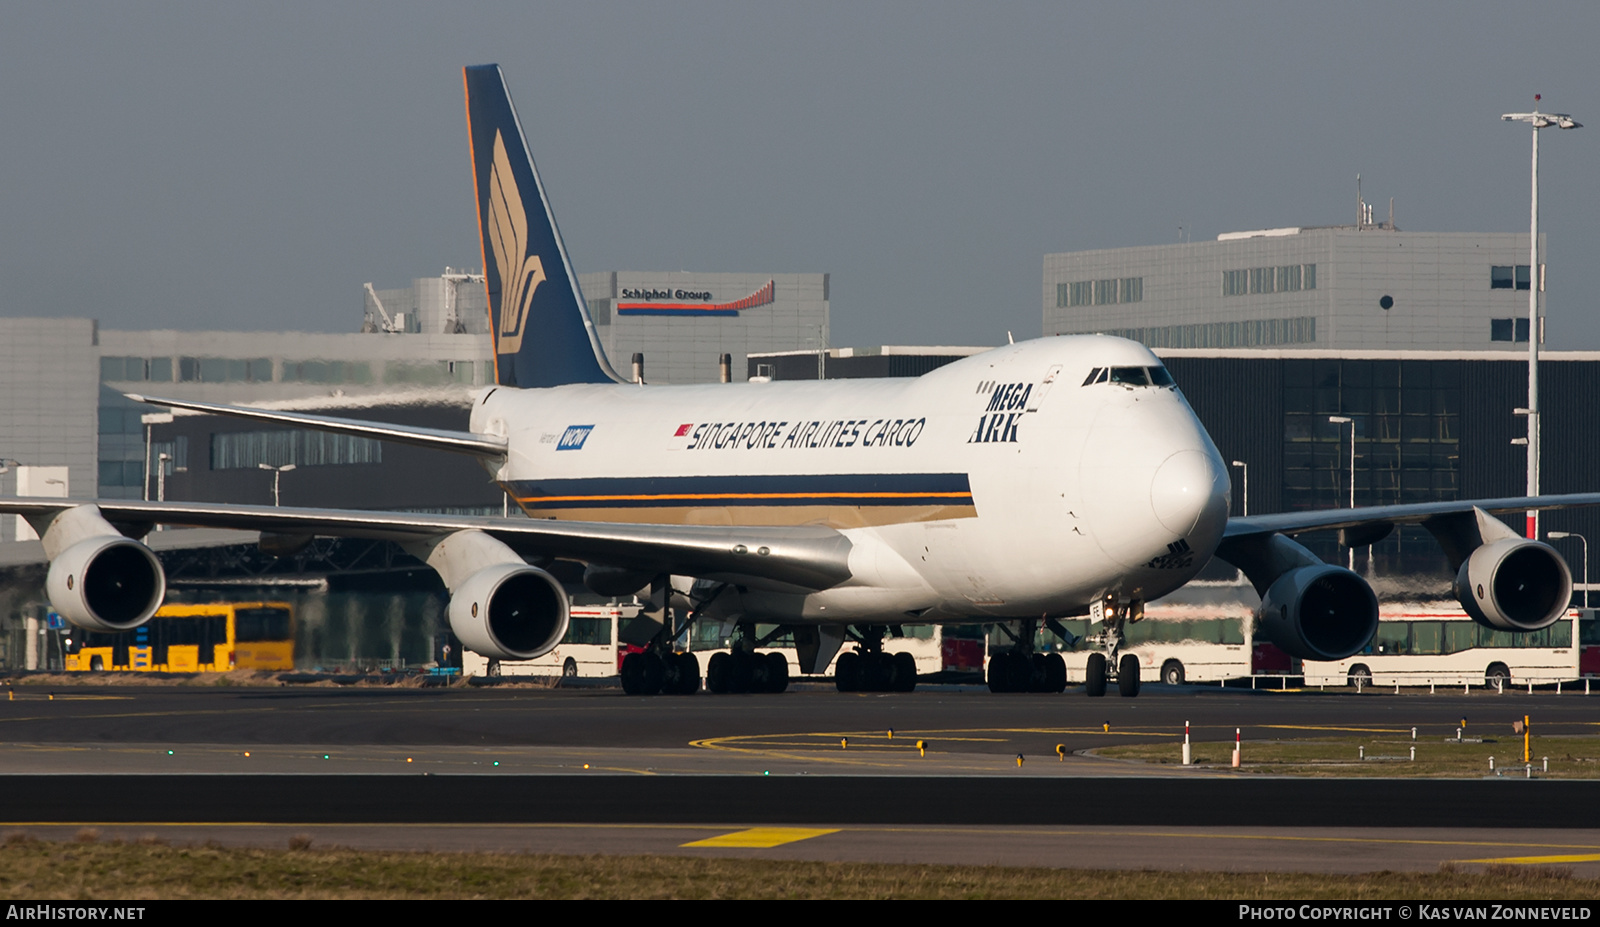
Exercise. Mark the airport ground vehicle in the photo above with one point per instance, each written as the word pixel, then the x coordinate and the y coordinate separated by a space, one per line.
pixel 1177 646
pixel 206 638
pixel 589 648
pixel 1438 644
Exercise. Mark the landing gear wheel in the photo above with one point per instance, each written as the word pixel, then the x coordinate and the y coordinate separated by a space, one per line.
pixel 1000 672
pixel 683 674
pixel 1055 673
pixel 1172 673
pixel 905 675
pixel 777 672
pixel 1128 675
pixel 847 672
pixel 641 674
pixel 754 672
pixel 1094 675
pixel 717 673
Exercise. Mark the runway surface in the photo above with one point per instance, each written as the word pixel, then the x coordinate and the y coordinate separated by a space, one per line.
pixel 809 774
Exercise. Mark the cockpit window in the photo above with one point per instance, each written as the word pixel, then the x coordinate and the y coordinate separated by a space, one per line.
pixel 1130 376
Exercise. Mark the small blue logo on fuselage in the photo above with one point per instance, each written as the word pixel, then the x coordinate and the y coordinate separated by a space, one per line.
pixel 572 439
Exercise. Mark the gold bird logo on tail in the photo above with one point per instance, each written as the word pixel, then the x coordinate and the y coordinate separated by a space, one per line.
pixel 520 272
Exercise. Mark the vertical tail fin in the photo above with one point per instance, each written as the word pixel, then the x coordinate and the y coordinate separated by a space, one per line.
pixel 542 332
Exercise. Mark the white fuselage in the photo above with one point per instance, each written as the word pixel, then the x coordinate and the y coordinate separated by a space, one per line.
pixel 999 486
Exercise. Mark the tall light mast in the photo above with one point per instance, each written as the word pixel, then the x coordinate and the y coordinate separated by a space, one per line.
pixel 1539 121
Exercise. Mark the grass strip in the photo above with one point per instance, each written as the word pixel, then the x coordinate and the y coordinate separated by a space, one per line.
pixel 1388 757
pixel 150 870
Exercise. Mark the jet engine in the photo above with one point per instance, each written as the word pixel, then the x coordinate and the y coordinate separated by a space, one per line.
pixel 1514 584
pixel 99 579
pixel 1319 612
pixel 108 583
pixel 500 606
pixel 510 612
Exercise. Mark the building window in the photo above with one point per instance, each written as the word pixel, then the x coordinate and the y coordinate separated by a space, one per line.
pixel 1289 278
pixel 327 372
pixel 1100 292
pixel 1504 277
pixel 1247 334
pixel 1503 330
pixel 177 451
pixel 122 368
pixel 244 450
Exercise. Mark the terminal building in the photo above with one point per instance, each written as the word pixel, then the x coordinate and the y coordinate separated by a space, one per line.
pixel 1360 288
pixel 69 429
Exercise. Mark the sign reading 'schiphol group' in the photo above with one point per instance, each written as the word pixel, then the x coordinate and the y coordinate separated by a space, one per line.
pixel 689 301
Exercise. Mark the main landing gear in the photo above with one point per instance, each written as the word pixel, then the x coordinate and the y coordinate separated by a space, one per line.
pixel 1021 669
pixel 869 669
pixel 659 669
pixel 741 669
pixel 664 672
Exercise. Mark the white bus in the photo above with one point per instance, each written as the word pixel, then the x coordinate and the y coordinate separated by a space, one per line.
pixel 590 648
pixel 1177 644
pixel 1438 644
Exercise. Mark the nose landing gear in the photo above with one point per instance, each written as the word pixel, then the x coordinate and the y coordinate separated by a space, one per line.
pixel 1107 667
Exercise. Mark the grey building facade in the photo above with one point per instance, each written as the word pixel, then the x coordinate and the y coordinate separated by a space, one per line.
pixel 1358 288
pixel 684 322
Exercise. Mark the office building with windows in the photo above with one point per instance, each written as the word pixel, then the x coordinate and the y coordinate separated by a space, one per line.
pixel 1362 287
pixel 70 430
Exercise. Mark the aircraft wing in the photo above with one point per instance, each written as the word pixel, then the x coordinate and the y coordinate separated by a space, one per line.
pixel 460 442
pixel 807 557
pixel 1381 517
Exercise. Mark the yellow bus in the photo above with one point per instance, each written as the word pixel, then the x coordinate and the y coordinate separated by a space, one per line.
pixel 212 638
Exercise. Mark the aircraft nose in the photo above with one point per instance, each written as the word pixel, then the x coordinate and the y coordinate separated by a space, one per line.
pixel 1188 488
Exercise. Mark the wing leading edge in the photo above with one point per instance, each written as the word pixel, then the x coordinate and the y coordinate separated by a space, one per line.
pixel 1381 517
pixel 459 442
pixel 802 558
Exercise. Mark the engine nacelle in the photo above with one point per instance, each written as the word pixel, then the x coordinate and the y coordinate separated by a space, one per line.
pixel 1514 584
pixel 106 583
pixel 1319 613
pixel 510 611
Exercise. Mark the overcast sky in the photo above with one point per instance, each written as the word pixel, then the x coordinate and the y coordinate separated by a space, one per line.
pixel 249 166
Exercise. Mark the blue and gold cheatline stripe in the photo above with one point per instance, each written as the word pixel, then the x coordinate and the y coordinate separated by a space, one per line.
pixel 863 489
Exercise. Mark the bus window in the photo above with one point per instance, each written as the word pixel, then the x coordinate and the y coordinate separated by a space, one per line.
pixel 1489 637
pixel 261 624
pixel 1392 638
pixel 1427 637
pixel 588 631
pixel 1459 636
